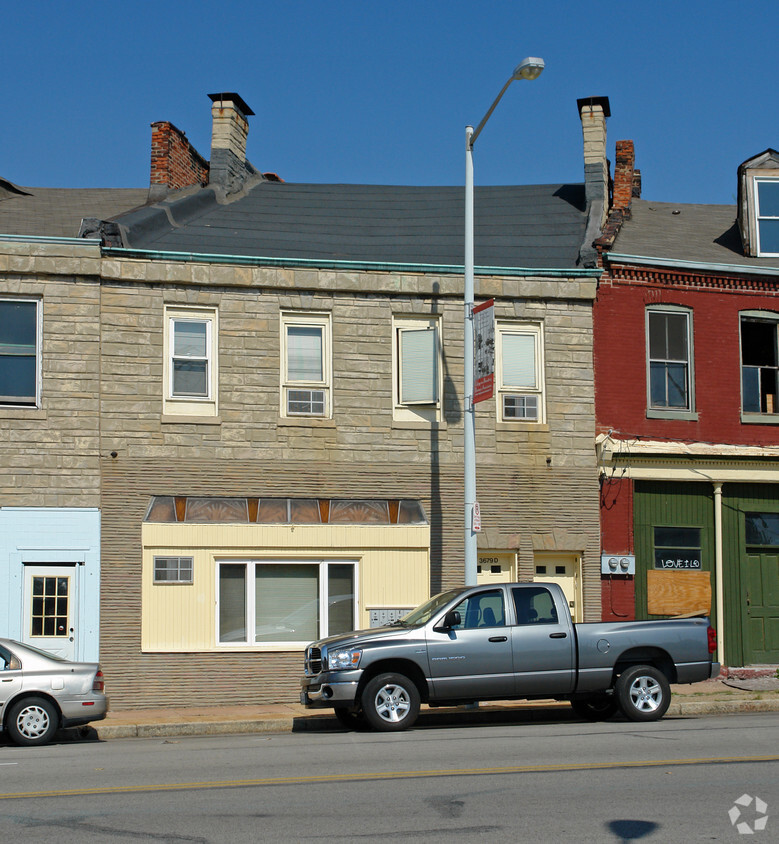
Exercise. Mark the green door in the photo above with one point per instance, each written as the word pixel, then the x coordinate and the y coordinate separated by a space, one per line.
pixel 760 579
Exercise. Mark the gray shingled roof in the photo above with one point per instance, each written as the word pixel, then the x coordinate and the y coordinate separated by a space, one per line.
pixel 696 233
pixel 534 226
pixel 57 212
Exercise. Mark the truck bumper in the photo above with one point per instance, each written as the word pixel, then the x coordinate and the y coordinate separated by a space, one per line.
pixel 329 689
pixel 715 670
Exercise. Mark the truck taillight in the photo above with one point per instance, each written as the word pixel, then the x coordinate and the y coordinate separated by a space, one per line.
pixel 98 684
pixel 712 640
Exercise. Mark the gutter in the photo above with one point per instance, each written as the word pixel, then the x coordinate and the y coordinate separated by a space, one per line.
pixel 643 260
pixel 63 241
pixel 345 266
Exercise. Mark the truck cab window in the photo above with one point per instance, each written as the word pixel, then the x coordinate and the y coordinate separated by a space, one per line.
pixel 534 605
pixel 484 609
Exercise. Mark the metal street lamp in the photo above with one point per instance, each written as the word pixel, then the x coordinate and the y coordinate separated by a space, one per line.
pixel 529 69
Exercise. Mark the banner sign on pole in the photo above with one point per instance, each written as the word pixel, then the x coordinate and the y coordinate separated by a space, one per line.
pixel 484 351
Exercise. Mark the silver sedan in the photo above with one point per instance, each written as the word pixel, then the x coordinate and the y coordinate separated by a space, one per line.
pixel 40 692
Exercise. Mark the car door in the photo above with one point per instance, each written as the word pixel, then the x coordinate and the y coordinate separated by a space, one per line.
pixel 473 660
pixel 542 644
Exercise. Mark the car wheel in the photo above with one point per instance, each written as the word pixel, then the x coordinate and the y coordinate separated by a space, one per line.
pixel 350 718
pixel 643 693
pixel 597 708
pixel 32 721
pixel 390 702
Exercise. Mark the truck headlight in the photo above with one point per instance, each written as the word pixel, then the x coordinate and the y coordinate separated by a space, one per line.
pixel 343 658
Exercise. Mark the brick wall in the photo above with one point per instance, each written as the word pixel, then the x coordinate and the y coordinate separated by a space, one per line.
pixel 620 356
pixel 175 163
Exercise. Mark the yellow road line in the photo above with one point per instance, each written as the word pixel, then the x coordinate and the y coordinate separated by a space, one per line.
pixel 389 775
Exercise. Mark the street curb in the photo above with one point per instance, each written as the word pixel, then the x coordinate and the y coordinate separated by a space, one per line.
pixel 325 721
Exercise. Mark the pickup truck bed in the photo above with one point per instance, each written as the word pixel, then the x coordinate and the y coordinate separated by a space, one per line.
pixel 501 642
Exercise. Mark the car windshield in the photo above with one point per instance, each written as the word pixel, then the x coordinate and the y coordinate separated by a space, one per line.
pixel 424 612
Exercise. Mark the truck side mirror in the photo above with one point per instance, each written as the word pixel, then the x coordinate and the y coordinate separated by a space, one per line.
pixel 451 619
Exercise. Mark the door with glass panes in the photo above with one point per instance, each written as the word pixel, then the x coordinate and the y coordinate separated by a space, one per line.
pixel 49 612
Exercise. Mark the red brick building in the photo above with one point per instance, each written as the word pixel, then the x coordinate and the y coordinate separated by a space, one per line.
pixel 687 409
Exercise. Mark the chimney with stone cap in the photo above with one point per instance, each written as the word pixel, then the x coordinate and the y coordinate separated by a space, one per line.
pixel 229 167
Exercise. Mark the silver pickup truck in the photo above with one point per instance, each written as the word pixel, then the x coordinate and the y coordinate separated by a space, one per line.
pixel 501 642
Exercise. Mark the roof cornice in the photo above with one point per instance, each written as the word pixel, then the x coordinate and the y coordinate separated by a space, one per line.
pixel 346 266
pixel 698 266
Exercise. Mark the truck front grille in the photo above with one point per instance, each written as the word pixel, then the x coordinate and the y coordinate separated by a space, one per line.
pixel 313 660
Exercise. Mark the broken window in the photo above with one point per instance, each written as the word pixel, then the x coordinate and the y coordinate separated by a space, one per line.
pixel 759 365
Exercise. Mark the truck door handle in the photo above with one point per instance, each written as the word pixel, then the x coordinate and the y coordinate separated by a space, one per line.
pixel 557 635
pixel 498 638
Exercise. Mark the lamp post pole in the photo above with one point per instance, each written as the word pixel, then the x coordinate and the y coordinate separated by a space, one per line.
pixel 529 69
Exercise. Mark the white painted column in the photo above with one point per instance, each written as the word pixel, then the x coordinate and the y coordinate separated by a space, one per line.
pixel 718 577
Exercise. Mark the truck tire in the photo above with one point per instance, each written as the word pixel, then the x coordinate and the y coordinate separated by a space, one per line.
pixel 352 719
pixel 599 708
pixel 32 721
pixel 643 693
pixel 390 702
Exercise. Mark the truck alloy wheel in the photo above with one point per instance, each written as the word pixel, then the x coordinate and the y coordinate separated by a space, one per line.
pixel 390 702
pixel 643 692
pixel 32 721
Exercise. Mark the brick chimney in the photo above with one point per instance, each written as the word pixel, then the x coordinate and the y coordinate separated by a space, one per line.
pixel 593 112
pixel 175 163
pixel 229 167
pixel 627 180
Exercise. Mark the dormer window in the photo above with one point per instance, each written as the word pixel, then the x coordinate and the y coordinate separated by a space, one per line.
pixel 767 216
pixel 758 204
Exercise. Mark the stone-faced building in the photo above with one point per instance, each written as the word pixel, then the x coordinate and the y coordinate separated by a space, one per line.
pixel 686 370
pixel 50 415
pixel 278 406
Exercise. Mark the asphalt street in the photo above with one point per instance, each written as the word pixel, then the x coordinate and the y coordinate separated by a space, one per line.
pixel 555 780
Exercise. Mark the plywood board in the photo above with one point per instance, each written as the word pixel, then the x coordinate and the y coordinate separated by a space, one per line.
pixel 678 592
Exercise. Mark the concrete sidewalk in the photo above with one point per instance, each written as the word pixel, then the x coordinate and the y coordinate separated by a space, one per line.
pixel 760 694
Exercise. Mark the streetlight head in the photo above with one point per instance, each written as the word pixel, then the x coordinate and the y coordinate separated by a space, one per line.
pixel 529 69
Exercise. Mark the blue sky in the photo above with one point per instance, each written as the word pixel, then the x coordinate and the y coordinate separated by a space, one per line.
pixel 380 92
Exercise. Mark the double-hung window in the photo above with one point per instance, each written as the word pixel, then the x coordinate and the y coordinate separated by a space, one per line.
pixel 289 602
pixel 669 359
pixel 759 363
pixel 305 365
pixel 20 352
pixel 767 214
pixel 190 361
pixel 417 369
pixel 520 372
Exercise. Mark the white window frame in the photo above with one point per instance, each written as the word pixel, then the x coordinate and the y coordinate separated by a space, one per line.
pixel 520 392
pixel 183 565
pixel 306 320
pixel 759 218
pixel 663 411
pixel 181 405
pixel 425 410
pixel 250 609
pixel 36 403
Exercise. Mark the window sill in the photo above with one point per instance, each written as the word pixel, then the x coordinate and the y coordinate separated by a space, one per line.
pixel 305 422
pixel 685 415
pixel 760 418
pixel 541 427
pixel 22 412
pixel 417 425
pixel 171 419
